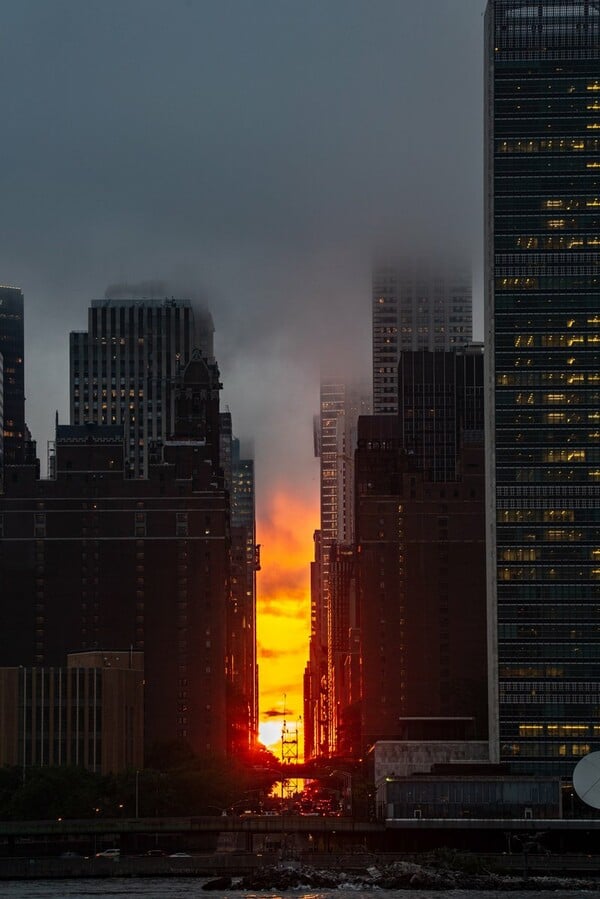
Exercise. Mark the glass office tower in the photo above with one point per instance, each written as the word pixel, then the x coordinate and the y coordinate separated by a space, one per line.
pixel 543 334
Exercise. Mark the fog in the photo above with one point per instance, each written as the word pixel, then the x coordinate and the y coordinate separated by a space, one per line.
pixel 255 154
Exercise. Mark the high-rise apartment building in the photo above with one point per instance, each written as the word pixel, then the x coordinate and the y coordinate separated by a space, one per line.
pixel 91 559
pixel 341 404
pixel 12 351
pixel 123 368
pixel 245 564
pixel 315 674
pixel 416 306
pixel 543 337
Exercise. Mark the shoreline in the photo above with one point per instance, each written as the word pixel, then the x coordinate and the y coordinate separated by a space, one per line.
pixel 260 871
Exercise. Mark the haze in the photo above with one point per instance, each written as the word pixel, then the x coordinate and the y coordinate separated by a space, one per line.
pixel 255 154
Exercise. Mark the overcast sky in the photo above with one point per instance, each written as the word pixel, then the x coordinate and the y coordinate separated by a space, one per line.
pixel 253 151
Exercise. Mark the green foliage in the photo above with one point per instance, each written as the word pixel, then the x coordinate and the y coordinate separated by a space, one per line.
pixel 176 782
pixel 51 793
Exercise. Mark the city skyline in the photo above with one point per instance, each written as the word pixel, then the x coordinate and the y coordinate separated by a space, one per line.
pixel 267 201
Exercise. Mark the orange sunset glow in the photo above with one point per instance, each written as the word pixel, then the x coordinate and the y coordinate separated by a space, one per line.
pixel 285 529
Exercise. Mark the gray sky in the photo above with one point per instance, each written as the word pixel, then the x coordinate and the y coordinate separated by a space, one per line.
pixel 255 151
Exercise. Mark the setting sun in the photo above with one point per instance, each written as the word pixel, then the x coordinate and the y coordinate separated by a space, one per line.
pixel 285 528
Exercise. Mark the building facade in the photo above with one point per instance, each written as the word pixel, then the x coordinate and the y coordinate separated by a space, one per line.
pixel 440 399
pixel 93 559
pixel 123 368
pixel 89 713
pixel 1 421
pixel 335 429
pixel 415 306
pixel 421 587
pixel 543 335
pixel 245 557
pixel 315 727
pixel 12 349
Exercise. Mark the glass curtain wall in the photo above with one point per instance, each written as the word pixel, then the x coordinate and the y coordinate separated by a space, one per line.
pixel 543 330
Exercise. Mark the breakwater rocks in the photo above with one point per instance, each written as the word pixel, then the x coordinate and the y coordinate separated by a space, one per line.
pixel 396 876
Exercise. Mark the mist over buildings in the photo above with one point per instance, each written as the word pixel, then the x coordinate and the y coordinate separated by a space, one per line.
pixel 252 157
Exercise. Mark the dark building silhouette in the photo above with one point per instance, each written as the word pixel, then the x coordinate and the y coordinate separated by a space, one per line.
pixel 12 351
pixel 440 397
pixel 344 651
pixel 543 325
pixel 1 420
pixel 421 585
pixel 124 367
pixel 91 559
pixel 315 694
pixel 245 562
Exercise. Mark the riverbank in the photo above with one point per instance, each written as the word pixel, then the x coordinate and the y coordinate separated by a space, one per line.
pixel 261 871
pixel 399 876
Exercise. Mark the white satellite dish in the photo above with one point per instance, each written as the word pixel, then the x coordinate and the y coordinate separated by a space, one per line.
pixel 586 779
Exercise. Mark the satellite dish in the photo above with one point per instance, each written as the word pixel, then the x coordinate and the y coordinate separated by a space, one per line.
pixel 586 779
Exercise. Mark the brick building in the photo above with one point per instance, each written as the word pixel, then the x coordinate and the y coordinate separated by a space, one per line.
pixel 93 559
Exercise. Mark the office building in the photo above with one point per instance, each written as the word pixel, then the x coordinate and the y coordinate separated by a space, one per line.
pixel 417 305
pixel 89 713
pixel 12 350
pixel 440 400
pixel 123 368
pixel 341 403
pixel 543 335
pixel 245 562
pixel 421 611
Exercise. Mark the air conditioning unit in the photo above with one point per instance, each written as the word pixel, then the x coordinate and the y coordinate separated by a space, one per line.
pixel 417 813
pixel 529 813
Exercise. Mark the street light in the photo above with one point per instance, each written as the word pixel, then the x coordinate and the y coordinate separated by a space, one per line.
pixel 381 795
pixel 347 791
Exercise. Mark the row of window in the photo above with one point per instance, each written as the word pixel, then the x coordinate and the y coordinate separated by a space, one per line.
pixel 565 572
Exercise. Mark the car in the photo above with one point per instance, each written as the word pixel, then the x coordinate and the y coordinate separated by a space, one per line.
pixel 180 855
pixel 109 853
pixel 155 853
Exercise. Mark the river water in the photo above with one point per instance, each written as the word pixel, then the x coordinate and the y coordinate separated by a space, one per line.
pixel 191 888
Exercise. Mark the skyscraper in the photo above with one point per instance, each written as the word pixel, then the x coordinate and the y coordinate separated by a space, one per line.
pixel 12 350
pixel 416 306
pixel 1 420
pixel 543 335
pixel 245 564
pixel 341 403
pixel 91 559
pixel 122 369
pixel 440 400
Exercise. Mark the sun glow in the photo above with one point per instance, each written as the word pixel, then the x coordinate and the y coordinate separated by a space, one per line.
pixel 285 531
pixel 269 734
